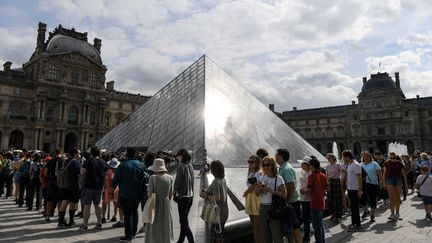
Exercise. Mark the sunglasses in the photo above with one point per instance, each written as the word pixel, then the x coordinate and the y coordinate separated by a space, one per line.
pixel 251 161
pixel 267 165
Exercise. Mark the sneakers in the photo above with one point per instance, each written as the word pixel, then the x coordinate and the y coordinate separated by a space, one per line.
pixel 82 227
pixel 365 214
pixel 47 220
pixel 71 223
pixel 125 240
pixel 354 228
pixel 394 217
pixel 372 219
pixel 113 219
pixel 61 224
pixel 397 217
pixel 103 220
pixel 391 217
pixel 429 216
pixel 98 226
pixel 119 224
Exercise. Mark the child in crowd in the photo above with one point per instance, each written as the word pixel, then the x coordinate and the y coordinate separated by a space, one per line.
pixel 317 186
pixel 424 184
pixel 305 196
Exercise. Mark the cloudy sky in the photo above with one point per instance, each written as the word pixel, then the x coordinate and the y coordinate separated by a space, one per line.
pixel 304 53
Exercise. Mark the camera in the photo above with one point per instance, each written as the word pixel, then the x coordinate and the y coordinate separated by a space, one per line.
pixel 252 180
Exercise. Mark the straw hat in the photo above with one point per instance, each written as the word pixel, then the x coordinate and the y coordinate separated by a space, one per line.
pixel 158 166
pixel 114 163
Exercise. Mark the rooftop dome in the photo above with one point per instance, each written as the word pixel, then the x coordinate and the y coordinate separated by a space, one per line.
pixel 380 81
pixel 60 44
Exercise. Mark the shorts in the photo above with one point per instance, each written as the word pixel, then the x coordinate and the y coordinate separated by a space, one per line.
pixel 17 177
pixel 298 212
pixel 394 181
pixel 427 200
pixel 52 188
pixel 62 194
pixel 90 196
pixel 73 195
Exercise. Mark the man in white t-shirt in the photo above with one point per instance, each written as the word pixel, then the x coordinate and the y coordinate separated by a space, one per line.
pixel 354 188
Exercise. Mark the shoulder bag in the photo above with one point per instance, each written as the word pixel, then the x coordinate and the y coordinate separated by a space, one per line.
pixel 421 184
pixel 278 206
pixel 149 208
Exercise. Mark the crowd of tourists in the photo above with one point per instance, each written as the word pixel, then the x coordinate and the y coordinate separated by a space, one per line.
pixel 280 203
pixel 335 189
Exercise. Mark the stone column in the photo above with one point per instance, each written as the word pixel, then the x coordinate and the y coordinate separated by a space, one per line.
pixel 40 142
pixel 62 140
pixel 35 138
pixel 43 110
pixel 86 114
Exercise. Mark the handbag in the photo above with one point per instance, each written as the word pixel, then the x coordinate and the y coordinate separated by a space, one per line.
pixel 421 184
pixel 149 209
pixel 252 204
pixel 278 206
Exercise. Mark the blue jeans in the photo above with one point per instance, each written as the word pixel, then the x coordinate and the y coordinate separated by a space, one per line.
pixel 130 211
pixel 317 222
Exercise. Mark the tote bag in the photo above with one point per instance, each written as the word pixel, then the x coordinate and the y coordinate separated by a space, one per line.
pixel 149 208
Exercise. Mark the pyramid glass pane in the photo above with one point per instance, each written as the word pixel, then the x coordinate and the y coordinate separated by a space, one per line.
pixel 203 108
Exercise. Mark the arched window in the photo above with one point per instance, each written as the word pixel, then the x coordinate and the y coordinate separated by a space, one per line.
pixel 52 72
pixel 74 76
pixel 73 115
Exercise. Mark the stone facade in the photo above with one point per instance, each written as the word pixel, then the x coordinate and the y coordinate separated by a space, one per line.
pixel 58 98
pixel 381 116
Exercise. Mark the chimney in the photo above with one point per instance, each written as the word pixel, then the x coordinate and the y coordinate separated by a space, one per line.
pixel 271 107
pixel 40 38
pixel 110 85
pixel 7 66
pixel 364 80
pixel 97 43
pixel 353 102
pixel 397 79
pixel 418 96
pixel 294 108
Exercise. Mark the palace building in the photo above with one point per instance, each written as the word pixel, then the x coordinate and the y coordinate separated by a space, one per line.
pixel 59 98
pixel 381 116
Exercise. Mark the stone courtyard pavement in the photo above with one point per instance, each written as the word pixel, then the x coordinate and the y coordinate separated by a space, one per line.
pixel 18 225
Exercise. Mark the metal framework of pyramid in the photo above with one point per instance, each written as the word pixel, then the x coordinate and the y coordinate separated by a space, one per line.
pixel 207 112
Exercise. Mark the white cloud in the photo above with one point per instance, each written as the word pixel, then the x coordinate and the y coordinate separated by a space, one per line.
pixel 17 45
pixel 416 39
pixel 279 50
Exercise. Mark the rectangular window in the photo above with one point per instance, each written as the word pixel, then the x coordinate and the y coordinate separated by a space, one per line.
pixel 52 72
pixel 74 76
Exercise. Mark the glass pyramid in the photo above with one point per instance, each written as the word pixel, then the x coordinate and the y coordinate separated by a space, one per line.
pixel 207 112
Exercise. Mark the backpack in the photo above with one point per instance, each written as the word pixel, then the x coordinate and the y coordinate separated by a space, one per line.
pixel 25 169
pixel 63 176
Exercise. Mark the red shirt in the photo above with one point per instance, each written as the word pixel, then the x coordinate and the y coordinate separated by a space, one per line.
pixel 317 182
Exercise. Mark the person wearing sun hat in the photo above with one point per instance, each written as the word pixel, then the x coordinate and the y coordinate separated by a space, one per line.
pixel 161 230
pixel 424 184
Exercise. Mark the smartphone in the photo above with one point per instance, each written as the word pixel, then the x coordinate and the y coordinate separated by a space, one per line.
pixel 252 180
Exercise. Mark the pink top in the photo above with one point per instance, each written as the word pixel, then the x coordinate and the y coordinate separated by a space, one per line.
pixel 334 170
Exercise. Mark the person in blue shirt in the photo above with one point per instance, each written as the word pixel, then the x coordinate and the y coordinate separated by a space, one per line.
pixel 372 184
pixel 127 176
